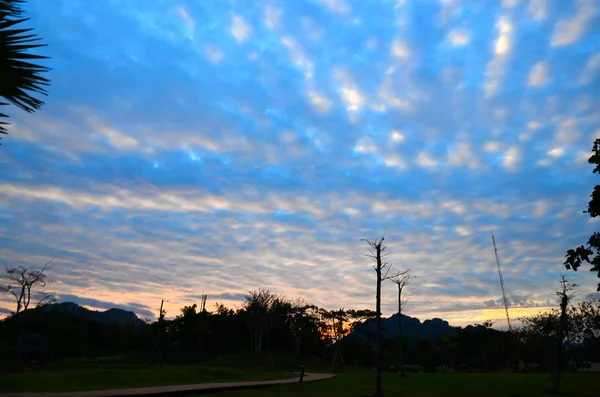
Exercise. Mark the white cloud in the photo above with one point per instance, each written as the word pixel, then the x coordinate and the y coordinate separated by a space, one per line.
pixel 512 156
pixel 459 37
pixel 213 53
pixel 400 49
pixel 503 41
pixel 185 15
pixel 116 138
pixel 556 152
pixel 395 161
pixel 541 208
pixel 352 211
pixel 240 28
pixel 353 98
pixel 426 161
pixel 538 76
pixel 492 147
pixel 348 91
pixel 396 136
pixel 566 131
pixel 455 206
pixel 319 102
pixel 271 17
pixel 299 58
pixel 510 3
pixel 312 30
pixel 582 157
pixel 463 231
pixel 591 70
pixel 387 94
pixel 366 145
pixel 538 9
pixel 462 155
pixel 338 6
pixel 502 48
pixel 569 30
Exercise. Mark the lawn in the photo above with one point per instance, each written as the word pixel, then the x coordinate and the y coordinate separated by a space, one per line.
pixel 118 377
pixel 435 384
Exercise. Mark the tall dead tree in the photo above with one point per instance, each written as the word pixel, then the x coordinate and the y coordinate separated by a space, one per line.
pixel 565 296
pixel 402 280
pixel 382 268
pixel 24 283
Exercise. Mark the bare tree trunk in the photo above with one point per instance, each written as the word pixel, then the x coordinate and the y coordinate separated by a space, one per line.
pixel 376 254
pixel 565 297
pixel 402 280
pixel 400 357
pixel 559 342
pixel 378 389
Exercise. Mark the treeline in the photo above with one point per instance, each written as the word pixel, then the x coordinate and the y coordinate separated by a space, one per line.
pixel 271 323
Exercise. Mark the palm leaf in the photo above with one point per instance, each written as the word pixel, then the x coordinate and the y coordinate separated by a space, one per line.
pixel 20 78
pixel 10 8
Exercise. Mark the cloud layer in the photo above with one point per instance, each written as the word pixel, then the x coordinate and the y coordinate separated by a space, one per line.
pixel 216 147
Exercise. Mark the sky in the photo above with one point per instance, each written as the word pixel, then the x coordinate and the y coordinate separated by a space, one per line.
pixel 220 146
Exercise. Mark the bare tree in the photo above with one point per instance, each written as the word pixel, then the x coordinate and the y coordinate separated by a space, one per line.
pixel 382 268
pixel 402 280
pixel 565 296
pixel 24 283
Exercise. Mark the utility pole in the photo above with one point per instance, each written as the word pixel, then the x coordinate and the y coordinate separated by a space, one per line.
pixel 502 284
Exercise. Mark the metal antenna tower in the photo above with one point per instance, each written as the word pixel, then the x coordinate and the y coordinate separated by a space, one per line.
pixel 502 284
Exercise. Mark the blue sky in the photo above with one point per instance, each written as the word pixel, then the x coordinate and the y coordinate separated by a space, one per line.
pixel 191 147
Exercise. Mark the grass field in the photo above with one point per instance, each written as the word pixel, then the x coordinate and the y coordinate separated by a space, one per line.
pixel 434 384
pixel 115 373
pixel 58 380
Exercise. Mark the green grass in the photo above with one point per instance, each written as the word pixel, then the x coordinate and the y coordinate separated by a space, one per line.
pixel 114 372
pixel 122 376
pixel 436 384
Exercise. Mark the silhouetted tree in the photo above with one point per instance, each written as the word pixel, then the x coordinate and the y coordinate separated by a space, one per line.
pixel 402 280
pixel 18 76
pixel 382 268
pixel 302 322
pixel 584 327
pixel 258 309
pixel 585 321
pixel 24 283
pixel 589 253
pixel 334 328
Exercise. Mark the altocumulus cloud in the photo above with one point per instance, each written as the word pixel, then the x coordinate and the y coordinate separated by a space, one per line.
pixel 222 147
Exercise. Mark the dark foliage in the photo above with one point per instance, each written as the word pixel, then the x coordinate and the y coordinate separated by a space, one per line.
pixel 19 77
pixel 64 331
pixel 590 252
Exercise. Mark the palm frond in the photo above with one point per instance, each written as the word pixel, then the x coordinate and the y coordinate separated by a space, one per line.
pixel 10 8
pixel 19 77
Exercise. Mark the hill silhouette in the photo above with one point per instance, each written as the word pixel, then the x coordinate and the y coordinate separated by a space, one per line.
pixel 62 330
pixel 411 328
pixel 113 316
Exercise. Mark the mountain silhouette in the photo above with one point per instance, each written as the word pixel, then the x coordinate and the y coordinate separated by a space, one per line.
pixel 411 328
pixel 113 316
